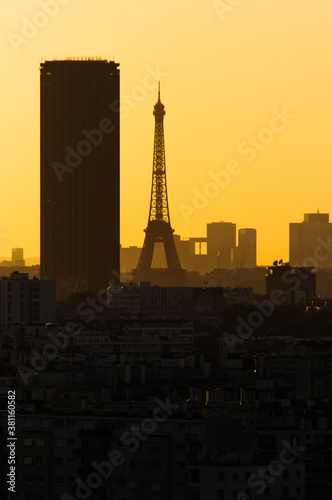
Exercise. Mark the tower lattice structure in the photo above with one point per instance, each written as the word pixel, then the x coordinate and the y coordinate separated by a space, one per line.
pixel 159 226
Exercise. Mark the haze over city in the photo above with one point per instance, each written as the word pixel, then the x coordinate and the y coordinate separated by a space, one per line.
pixel 233 72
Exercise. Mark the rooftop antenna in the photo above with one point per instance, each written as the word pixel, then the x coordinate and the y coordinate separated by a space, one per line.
pixel 158 91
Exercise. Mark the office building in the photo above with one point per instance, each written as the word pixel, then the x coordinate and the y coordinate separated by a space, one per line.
pixel 221 239
pixel 79 134
pixel 17 257
pixel 309 241
pixel 244 255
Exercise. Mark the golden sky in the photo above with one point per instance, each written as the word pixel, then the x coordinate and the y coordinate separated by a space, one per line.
pixel 232 72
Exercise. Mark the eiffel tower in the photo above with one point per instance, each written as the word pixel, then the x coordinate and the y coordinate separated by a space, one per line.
pixel 159 226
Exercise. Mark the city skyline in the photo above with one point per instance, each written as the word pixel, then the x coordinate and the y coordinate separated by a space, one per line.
pixel 221 93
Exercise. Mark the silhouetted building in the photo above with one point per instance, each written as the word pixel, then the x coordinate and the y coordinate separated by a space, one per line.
pixel 244 255
pixel 128 258
pixel 80 172
pixel 293 285
pixel 24 301
pixel 309 241
pixel 221 239
pixel 17 257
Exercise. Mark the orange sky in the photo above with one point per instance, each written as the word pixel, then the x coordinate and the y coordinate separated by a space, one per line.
pixel 224 76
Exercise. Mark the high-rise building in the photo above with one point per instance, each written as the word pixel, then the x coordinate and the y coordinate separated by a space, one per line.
pixel 244 255
pixel 221 239
pixel 17 257
pixel 309 241
pixel 79 131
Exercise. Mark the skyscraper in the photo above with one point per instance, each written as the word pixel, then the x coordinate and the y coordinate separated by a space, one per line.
pixel 79 131
pixel 244 255
pixel 221 239
pixel 309 241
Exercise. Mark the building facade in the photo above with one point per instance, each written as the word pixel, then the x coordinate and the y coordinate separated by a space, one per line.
pixel 26 301
pixel 80 172
pixel 309 241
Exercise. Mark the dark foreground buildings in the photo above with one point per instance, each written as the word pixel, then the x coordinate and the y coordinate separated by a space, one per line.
pixel 79 173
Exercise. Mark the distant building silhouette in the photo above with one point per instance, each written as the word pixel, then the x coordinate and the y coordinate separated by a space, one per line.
pixel 309 241
pixel 244 255
pixel 128 258
pixel 80 172
pixel 17 257
pixel 221 239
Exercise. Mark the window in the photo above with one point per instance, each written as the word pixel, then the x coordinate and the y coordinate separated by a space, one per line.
pixel 71 422
pixel 28 461
pixel 155 446
pixel 45 423
pixel 132 484
pixel 122 482
pixel 40 460
pixel 70 442
pixel 221 494
pixel 59 479
pixel 40 479
pixel 144 465
pixel 59 423
pixel 71 479
pixel 267 442
pixel 88 425
pixel 28 479
pixel 155 466
pixel 71 461
pixel 155 486
pixel 285 474
pixel 59 461
pixel 144 484
pixel 132 464
pixel 28 442
pixel 59 443
pixel 40 443
pixel 28 422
